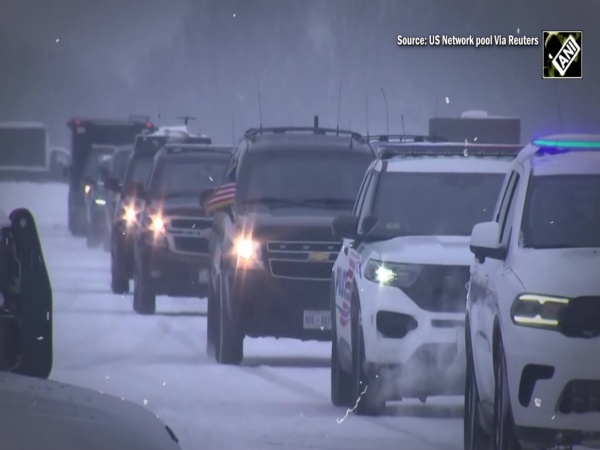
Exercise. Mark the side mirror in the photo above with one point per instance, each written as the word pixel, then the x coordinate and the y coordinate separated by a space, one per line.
pixel 112 184
pixel 205 196
pixel 485 242
pixel 345 226
pixel 26 314
pixel 368 224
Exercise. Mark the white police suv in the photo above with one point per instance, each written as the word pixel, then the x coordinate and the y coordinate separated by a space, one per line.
pixel 399 283
pixel 533 309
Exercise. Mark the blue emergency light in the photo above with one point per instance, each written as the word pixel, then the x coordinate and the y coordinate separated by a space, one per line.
pixel 570 145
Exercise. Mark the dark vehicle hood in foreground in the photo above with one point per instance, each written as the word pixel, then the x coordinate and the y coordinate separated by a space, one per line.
pixel 264 225
pixel 42 414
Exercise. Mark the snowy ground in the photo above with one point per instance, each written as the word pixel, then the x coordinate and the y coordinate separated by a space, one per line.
pixel 278 398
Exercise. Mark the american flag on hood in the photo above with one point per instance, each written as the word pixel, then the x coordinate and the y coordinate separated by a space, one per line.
pixel 224 195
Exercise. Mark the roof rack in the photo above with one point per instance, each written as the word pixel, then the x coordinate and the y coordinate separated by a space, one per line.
pixel 401 138
pixel 174 148
pixel 252 133
pixel 449 149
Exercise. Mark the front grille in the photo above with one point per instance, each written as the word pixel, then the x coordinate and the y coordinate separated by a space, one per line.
pixel 580 396
pixel 301 269
pixel 582 318
pixel 440 288
pixel 191 245
pixel 190 224
pixel 302 247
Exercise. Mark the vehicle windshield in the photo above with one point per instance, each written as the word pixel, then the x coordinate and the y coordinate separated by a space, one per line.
pixel 119 167
pixel 187 176
pixel 314 180
pixel 139 168
pixel 434 204
pixel 562 211
pixel 95 159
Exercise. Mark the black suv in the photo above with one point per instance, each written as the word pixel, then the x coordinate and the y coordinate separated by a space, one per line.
pixel 128 203
pixel 273 248
pixel 86 133
pixel 171 243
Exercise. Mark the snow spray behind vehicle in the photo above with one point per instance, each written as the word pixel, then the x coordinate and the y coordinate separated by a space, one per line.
pixel 25 299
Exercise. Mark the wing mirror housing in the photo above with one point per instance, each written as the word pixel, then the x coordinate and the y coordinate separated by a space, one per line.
pixel 345 226
pixel 485 242
pixel 26 294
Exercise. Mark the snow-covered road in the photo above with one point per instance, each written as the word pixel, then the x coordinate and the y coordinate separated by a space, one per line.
pixel 277 399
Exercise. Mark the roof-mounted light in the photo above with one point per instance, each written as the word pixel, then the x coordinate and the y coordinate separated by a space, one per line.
pixel 566 145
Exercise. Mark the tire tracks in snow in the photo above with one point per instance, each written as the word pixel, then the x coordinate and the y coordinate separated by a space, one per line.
pixel 303 390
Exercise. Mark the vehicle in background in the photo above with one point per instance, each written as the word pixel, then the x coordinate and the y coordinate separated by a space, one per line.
pixel 273 249
pixel 35 409
pixel 84 134
pixel 172 242
pixel 477 127
pixel 400 281
pixel 128 203
pixel 533 316
pixel 24 154
pixel 116 173
pixel 60 159
pixel 96 194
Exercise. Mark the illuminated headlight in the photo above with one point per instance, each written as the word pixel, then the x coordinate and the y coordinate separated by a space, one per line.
pixel 393 274
pixel 87 188
pixel 541 311
pixel 156 223
pixel 247 252
pixel 100 202
pixel 129 214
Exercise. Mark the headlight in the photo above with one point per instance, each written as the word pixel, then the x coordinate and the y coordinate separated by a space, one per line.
pixel 129 214
pixel 157 223
pixel 100 202
pixel 540 311
pixel 248 253
pixel 87 188
pixel 393 274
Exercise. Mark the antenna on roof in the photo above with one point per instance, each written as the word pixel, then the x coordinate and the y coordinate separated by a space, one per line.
pixel 186 119
pixel 387 115
pixel 403 132
pixel 339 105
pixel 560 116
pixel 259 106
pixel 367 117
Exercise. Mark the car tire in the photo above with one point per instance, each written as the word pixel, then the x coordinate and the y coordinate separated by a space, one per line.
pixel 144 298
pixel 119 283
pixel 341 382
pixel 366 393
pixel 211 318
pixel 504 425
pixel 475 437
pixel 230 348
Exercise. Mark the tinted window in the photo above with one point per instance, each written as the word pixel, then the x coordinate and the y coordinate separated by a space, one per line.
pixel 434 204
pixel 187 176
pixel 120 161
pixel 312 179
pixel 139 169
pixel 22 146
pixel 562 211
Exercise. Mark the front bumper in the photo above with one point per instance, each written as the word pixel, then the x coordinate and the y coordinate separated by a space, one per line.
pixel 272 306
pixel 173 274
pixel 538 375
pixel 416 348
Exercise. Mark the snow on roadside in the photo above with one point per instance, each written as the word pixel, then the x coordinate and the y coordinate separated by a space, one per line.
pixel 47 202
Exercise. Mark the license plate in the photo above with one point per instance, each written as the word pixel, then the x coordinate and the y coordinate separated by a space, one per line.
pixel 203 276
pixel 317 320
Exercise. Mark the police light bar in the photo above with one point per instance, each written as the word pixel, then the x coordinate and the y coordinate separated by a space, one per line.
pixel 188 148
pixel 448 149
pixel 401 138
pixel 567 145
pixel 252 133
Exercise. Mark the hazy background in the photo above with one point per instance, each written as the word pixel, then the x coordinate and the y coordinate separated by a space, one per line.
pixel 206 57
